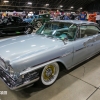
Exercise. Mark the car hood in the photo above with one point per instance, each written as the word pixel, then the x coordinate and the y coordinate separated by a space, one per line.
pixel 12 49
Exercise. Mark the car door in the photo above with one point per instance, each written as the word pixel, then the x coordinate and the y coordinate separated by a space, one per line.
pixel 96 37
pixel 17 24
pixel 21 24
pixel 62 33
pixel 88 34
pixel 80 50
pixel 82 46
pixel 91 43
pixel 86 45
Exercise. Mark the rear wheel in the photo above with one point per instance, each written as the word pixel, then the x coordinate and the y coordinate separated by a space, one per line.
pixel 49 74
pixel 29 30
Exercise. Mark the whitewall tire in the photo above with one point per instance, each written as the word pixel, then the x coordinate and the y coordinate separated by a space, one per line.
pixel 49 74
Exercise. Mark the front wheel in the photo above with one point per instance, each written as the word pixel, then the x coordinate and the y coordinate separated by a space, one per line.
pixel 49 74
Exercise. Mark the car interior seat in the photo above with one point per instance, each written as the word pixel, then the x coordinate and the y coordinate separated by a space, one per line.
pixel 90 32
pixel 71 32
pixel 83 32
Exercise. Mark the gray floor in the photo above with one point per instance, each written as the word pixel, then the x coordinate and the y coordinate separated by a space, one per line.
pixel 80 83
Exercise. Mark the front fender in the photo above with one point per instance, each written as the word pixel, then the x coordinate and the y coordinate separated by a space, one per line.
pixel 42 65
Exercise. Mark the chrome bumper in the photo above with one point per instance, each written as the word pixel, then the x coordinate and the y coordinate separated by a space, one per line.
pixel 12 84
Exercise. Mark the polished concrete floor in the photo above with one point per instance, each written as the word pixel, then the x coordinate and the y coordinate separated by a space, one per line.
pixel 80 83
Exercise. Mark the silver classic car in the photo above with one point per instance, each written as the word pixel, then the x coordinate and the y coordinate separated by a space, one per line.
pixel 40 56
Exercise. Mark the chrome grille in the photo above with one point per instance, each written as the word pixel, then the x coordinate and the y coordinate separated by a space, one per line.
pixel 2 64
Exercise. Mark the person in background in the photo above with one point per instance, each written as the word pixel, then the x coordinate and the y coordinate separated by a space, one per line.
pixel 98 18
pixel 92 17
pixel 56 17
pixel 85 15
pixel 72 17
pixel 82 16
pixel 67 17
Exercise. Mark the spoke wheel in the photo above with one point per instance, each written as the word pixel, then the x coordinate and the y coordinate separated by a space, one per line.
pixel 50 74
pixel 28 30
pixel 39 24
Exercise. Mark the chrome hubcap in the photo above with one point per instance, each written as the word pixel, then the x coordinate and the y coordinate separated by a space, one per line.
pixel 39 24
pixel 28 29
pixel 49 73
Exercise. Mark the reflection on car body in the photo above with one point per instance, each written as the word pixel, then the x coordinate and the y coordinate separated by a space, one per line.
pixel 41 55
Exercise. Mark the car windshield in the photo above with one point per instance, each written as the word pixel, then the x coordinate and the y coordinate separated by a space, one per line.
pixel 58 30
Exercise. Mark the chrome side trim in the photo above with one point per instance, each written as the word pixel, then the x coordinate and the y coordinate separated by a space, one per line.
pixel 36 67
pixel 80 49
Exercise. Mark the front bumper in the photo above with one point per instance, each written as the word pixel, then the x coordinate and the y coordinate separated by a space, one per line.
pixel 14 84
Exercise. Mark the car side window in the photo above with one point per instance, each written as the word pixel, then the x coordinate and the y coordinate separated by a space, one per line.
pixel 93 27
pixel 67 33
pixel 88 30
pixel 16 19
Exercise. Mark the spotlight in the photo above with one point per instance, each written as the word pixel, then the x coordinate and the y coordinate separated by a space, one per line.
pixel 81 8
pixel 30 3
pixel 61 6
pixel 6 1
pixel 72 7
pixel 47 4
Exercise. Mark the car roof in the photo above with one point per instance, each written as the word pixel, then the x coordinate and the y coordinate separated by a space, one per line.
pixel 78 22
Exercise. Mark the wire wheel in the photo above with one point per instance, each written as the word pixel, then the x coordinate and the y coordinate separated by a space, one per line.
pixel 28 30
pixel 39 24
pixel 50 74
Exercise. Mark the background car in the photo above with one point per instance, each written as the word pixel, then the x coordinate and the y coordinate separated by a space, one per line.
pixel 41 19
pixel 31 18
pixel 14 25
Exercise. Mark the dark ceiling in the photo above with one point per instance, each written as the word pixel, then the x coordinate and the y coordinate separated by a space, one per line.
pixel 40 4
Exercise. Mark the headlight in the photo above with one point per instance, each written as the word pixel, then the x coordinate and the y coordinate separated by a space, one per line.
pixel 11 72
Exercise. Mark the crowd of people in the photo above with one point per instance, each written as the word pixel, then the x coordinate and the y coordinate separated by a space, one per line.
pixel 57 15
pixel 84 16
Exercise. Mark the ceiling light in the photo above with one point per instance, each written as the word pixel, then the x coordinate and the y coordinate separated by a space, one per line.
pixel 81 8
pixel 72 7
pixel 47 4
pixel 61 6
pixel 30 3
pixel 6 1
